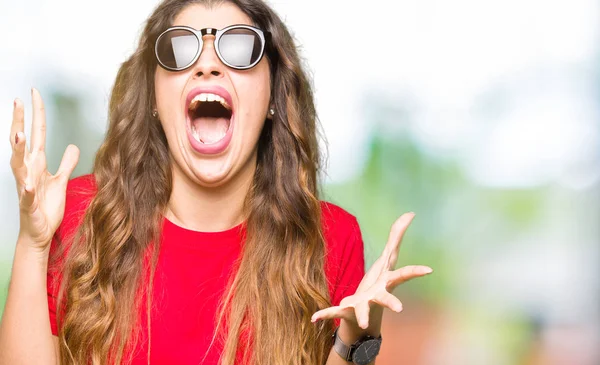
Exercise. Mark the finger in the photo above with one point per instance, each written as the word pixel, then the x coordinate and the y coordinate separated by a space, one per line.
pixel 388 300
pixel 405 274
pixel 18 123
pixel 17 160
pixel 395 238
pixel 68 163
pixel 38 127
pixel 362 314
pixel 332 312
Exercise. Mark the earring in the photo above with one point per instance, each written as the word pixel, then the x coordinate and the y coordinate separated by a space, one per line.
pixel 155 113
pixel 271 112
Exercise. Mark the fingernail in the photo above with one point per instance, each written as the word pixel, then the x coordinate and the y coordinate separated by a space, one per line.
pixel 409 215
pixel 427 270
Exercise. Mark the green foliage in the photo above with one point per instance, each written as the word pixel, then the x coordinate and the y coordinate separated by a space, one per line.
pixel 5 269
pixel 454 216
pixel 399 178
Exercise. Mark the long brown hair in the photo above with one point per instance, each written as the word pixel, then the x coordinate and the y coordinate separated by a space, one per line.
pixel 280 279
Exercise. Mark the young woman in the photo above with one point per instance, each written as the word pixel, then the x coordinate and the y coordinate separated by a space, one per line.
pixel 199 237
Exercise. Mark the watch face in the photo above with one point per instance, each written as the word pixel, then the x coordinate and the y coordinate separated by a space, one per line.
pixel 366 352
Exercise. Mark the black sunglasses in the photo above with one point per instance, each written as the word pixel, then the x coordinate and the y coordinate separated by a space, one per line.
pixel 238 46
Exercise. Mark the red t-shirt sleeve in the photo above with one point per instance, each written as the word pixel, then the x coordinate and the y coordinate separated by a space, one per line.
pixel 345 264
pixel 352 264
pixel 79 193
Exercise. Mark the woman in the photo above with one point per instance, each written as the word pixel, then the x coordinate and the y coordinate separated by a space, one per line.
pixel 202 207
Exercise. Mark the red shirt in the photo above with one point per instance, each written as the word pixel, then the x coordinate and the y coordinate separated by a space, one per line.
pixel 192 273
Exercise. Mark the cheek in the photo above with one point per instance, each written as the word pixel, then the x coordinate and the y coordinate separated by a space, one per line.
pixel 167 89
pixel 160 84
pixel 254 94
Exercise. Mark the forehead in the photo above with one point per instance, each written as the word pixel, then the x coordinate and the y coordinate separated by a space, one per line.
pixel 220 16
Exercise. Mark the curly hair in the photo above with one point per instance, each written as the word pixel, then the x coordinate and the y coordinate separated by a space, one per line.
pixel 279 279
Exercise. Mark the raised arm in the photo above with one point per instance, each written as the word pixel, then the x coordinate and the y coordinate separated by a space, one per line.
pixel 25 332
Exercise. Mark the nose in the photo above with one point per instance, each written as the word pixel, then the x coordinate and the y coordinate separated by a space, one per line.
pixel 208 63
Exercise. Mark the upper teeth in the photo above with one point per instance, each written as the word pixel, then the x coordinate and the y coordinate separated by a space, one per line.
pixel 208 97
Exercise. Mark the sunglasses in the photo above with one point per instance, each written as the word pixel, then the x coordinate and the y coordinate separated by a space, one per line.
pixel 238 46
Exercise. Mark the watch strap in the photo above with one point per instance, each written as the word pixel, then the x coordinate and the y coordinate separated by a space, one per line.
pixel 341 348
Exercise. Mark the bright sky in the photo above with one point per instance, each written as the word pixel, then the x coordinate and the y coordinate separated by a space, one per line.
pixel 503 85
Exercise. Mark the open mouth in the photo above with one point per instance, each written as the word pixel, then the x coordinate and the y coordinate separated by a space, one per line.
pixel 210 117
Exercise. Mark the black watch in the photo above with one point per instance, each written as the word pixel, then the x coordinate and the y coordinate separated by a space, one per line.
pixel 362 352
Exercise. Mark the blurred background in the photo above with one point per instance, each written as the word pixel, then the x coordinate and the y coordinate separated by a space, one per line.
pixel 480 116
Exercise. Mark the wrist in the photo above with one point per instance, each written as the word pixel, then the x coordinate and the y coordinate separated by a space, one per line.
pixel 26 248
pixel 351 332
pixel 356 345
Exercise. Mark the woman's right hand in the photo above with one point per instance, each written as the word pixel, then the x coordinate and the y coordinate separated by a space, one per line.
pixel 41 194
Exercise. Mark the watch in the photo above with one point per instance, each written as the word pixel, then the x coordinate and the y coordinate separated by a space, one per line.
pixel 362 352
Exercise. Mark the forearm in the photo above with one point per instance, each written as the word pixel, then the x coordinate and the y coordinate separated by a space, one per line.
pixel 349 335
pixel 25 333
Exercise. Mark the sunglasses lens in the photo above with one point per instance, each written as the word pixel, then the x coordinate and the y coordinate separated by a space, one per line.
pixel 177 48
pixel 240 47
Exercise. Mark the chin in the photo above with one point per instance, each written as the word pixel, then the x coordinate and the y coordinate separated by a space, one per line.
pixel 211 173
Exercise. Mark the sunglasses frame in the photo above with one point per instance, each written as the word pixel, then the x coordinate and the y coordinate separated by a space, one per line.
pixel 199 33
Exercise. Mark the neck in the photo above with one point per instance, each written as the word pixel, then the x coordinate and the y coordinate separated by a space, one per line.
pixel 208 209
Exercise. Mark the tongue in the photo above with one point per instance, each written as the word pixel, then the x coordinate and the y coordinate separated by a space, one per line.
pixel 211 129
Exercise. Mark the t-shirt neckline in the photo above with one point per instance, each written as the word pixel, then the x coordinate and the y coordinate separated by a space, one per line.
pixel 182 236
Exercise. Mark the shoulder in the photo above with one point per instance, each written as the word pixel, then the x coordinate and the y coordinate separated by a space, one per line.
pixel 80 191
pixel 336 220
pixel 344 264
pixel 81 185
pixel 340 228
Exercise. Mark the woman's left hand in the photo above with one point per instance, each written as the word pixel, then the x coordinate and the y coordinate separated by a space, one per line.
pixel 363 310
